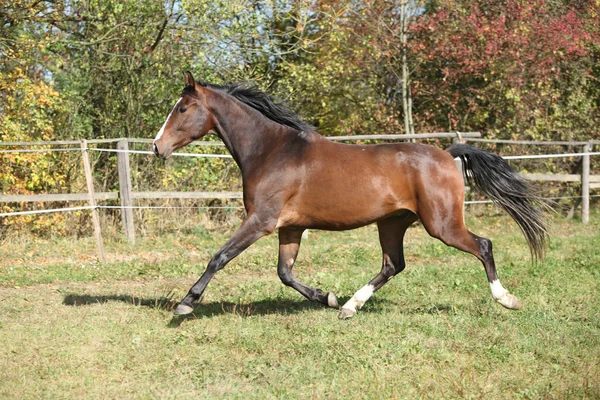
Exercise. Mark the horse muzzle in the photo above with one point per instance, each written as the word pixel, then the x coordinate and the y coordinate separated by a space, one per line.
pixel 162 153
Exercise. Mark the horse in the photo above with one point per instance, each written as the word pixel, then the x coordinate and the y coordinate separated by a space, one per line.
pixel 295 179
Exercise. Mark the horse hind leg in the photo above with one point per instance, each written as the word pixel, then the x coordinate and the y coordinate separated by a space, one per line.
pixel 391 235
pixel 499 293
pixel 453 232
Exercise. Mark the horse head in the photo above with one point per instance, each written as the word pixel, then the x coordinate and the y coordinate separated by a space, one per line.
pixel 189 120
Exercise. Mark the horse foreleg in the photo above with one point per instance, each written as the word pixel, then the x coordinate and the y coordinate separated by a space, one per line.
pixel 391 236
pixel 252 229
pixel 289 244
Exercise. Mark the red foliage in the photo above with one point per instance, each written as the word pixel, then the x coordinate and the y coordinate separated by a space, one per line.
pixel 475 53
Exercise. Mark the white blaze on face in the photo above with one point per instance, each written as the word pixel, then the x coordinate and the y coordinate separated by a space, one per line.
pixel 162 129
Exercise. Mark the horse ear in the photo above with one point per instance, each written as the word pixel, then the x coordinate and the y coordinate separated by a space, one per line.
pixel 189 80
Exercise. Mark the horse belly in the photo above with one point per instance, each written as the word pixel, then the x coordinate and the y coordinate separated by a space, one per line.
pixel 337 205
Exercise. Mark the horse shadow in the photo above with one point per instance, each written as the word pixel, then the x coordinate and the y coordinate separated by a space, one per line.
pixel 202 309
pixel 207 310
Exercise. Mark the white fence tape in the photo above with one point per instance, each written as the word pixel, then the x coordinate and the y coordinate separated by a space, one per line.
pixel 174 154
pixel 545 198
pixel 46 211
pixel 40 150
pixel 113 207
pixel 551 156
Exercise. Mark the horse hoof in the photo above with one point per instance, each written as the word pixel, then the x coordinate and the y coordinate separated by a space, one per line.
pixel 332 300
pixel 346 313
pixel 183 309
pixel 510 301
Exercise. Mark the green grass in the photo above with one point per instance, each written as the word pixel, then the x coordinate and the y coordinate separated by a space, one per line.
pixel 72 328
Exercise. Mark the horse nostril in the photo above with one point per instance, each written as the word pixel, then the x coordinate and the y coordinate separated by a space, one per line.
pixel 155 149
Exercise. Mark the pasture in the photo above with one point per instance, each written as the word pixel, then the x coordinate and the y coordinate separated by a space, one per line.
pixel 72 328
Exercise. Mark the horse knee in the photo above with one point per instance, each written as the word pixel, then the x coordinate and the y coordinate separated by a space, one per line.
pixel 218 262
pixel 285 275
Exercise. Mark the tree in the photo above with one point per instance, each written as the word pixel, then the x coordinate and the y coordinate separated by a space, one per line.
pixel 511 69
pixel 387 25
pixel 30 109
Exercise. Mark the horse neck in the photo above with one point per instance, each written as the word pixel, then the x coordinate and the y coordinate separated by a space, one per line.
pixel 248 135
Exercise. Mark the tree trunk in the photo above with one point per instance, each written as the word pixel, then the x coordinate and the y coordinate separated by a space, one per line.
pixel 406 94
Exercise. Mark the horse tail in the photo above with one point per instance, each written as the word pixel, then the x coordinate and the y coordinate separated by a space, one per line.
pixel 492 176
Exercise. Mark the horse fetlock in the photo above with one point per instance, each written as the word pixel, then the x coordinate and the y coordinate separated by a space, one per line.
pixel 503 296
pixel 360 298
pixel 360 304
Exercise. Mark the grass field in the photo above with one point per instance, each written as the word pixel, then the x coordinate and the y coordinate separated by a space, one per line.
pixel 72 328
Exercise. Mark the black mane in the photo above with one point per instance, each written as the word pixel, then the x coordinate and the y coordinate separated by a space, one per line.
pixel 250 95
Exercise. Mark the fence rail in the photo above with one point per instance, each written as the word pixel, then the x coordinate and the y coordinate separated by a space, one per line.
pixel 126 195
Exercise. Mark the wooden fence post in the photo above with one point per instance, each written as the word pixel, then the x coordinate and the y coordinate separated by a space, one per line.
pixel 92 200
pixel 125 190
pixel 458 140
pixel 459 165
pixel 585 185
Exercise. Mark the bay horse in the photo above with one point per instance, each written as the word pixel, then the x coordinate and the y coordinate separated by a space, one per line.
pixel 295 179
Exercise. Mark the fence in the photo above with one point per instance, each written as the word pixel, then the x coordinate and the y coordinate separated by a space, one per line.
pixel 126 195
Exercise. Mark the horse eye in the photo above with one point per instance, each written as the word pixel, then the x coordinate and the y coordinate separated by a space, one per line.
pixel 182 109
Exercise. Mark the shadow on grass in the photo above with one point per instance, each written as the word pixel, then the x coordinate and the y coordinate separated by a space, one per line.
pixel 436 309
pixel 385 306
pixel 201 310
pixel 260 307
pixel 162 303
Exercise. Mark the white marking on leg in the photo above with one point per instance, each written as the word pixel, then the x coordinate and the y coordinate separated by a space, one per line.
pixel 162 129
pixel 503 296
pixel 498 290
pixel 359 298
pixel 332 300
pixel 291 261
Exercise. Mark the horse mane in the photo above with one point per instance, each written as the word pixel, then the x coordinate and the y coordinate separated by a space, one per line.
pixel 262 102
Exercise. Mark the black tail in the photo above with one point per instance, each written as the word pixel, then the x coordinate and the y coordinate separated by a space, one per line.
pixel 491 175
